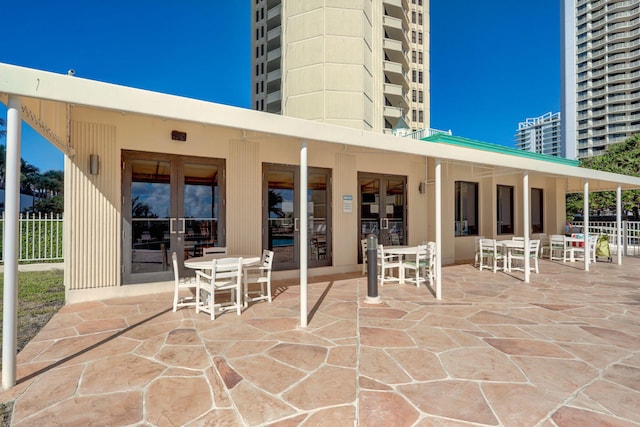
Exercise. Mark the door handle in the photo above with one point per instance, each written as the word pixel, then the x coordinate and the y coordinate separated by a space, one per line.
pixel 384 223
pixel 296 226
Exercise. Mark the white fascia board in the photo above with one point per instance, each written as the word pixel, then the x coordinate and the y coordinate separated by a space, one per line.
pixel 33 83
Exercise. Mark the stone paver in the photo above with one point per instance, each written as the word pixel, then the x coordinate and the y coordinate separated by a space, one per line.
pixel 563 350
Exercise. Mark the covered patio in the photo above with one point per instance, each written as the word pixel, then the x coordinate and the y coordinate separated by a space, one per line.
pixel 562 350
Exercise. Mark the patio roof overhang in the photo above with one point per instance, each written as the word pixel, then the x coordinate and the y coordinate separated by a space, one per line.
pixel 46 98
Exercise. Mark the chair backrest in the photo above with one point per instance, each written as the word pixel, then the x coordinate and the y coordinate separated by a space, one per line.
pixel 229 268
pixel 176 273
pixel 267 258
pixel 557 238
pixel 534 248
pixel 517 239
pixel 487 245
pixel 214 250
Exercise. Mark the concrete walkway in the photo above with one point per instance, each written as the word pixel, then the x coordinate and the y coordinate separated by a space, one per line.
pixel 563 350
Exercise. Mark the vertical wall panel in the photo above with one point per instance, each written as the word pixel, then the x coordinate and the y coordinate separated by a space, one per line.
pixel 345 225
pixel 93 251
pixel 244 198
pixel 417 221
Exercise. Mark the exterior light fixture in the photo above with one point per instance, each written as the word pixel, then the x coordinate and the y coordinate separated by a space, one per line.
pixel 177 135
pixel 94 164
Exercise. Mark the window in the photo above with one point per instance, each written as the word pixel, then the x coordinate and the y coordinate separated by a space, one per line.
pixel 413 75
pixel 413 17
pixel 414 115
pixel 505 209
pixel 419 57
pixel 420 96
pixel 421 116
pixel 413 95
pixel 419 18
pixel 413 36
pixel 419 76
pixel 413 55
pixel 420 38
pixel 537 223
pixel 466 218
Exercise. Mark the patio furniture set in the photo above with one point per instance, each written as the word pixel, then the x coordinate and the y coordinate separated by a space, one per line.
pixel 219 273
pixel 401 264
pixel 509 255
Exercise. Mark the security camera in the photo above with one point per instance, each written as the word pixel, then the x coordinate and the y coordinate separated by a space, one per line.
pixel 71 72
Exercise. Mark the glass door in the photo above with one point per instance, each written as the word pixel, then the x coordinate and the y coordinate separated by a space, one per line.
pixel 170 205
pixel 282 218
pixel 382 208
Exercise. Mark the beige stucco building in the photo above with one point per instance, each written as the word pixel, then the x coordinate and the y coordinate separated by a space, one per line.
pixel 355 63
pixel 147 174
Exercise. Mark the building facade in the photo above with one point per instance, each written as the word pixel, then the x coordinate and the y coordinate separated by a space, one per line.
pixel 601 74
pixel 361 64
pixel 540 135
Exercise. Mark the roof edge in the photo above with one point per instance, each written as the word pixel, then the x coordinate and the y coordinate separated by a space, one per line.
pixel 486 146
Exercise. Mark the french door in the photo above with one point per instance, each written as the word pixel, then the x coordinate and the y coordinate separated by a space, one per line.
pixel 382 208
pixel 281 216
pixel 170 204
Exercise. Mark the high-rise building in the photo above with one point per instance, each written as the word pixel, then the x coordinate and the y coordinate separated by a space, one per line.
pixel 362 64
pixel 540 135
pixel 600 74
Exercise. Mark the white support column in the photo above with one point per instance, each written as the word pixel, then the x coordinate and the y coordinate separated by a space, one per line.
pixel 438 185
pixel 11 218
pixel 618 224
pixel 304 238
pixel 526 224
pixel 586 225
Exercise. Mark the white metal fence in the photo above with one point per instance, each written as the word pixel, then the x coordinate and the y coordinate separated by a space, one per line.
pixel 40 238
pixel 630 234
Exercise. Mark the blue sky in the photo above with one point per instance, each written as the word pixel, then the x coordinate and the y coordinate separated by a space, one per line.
pixel 493 63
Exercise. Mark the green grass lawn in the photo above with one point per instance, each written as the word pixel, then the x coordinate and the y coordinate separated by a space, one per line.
pixel 40 296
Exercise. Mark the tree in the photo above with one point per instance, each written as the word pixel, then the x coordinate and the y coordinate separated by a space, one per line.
pixel 622 158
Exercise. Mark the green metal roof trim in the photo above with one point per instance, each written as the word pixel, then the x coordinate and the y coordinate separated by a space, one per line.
pixel 485 146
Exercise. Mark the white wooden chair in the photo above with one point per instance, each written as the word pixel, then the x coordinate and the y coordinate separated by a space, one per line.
pixel 545 244
pixel 260 274
pixel 418 264
pixel 490 255
pixel 423 263
pixel 214 250
pixel 578 251
pixel 182 283
pixel 386 263
pixel 225 276
pixel 476 261
pixel 518 254
pixel 558 249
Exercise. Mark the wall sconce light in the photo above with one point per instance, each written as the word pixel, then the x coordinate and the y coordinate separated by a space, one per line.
pixel 177 135
pixel 422 187
pixel 94 164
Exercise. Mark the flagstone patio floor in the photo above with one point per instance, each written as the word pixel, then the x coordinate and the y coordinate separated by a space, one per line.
pixel 563 350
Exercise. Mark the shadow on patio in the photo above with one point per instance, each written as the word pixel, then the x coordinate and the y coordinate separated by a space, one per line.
pixel 562 350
